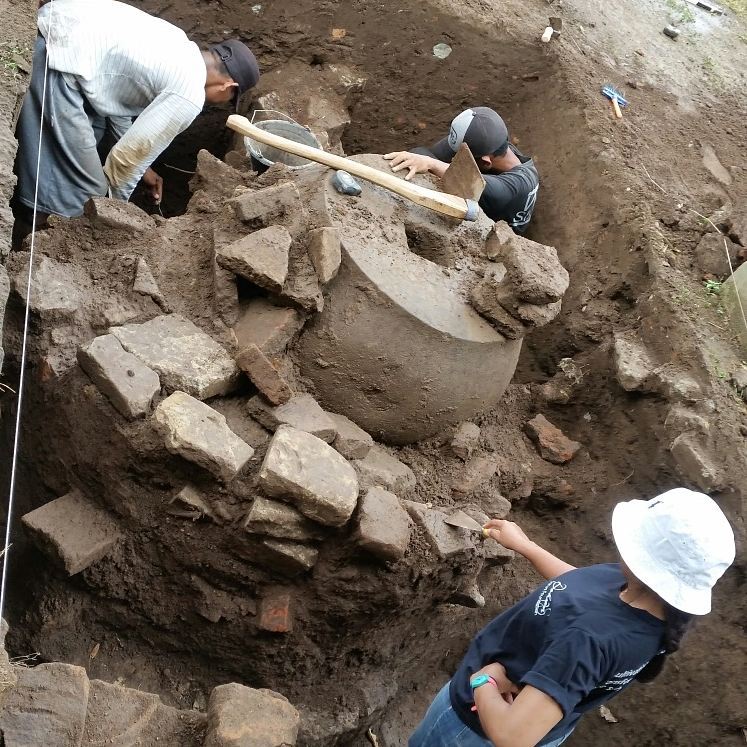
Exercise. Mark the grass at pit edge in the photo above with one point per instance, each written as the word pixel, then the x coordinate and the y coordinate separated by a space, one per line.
pixel 738 6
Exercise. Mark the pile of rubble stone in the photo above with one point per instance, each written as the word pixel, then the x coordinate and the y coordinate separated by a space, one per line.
pixel 57 704
pixel 160 372
pixel 232 376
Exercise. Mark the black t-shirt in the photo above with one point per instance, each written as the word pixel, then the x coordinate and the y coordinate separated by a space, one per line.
pixel 573 638
pixel 508 195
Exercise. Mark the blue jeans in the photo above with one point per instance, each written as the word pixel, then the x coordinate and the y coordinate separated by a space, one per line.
pixel 441 727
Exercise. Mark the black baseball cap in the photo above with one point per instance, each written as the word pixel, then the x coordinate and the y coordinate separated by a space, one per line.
pixel 240 62
pixel 484 132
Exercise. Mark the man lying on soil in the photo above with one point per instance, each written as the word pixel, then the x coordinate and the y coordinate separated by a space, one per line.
pixel 587 633
pixel 109 62
pixel 511 177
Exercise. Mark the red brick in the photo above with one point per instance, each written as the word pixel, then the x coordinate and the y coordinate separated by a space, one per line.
pixel 258 367
pixel 552 443
pixel 275 613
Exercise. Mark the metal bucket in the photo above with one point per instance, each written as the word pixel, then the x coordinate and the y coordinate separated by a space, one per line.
pixel 268 155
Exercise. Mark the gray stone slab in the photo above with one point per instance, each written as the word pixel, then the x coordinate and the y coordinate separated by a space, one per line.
pixel 446 541
pixel 279 204
pixel 465 441
pixel 225 294
pixel 106 213
pixel 261 257
pixel 190 503
pixel 351 441
pixel 186 358
pixel 681 419
pixel 383 525
pixel 288 557
pixel 302 285
pixel 711 161
pixel 490 296
pixel 634 365
pixel 4 293
pixel 325 252
pixel 476 472
pixel 304 470
pixel 695 464
pixel 146 284
pixel 239 716
pixel 301 412
pixel 734 294
pixel 716 254
pixel 278 519
pixel 380 468
pixel 198 433
pixel 47 707
pixel 123 717
pixel 500 236
pixel 125 380
pixel 73 530
pixel 57 288
pixel 495 504
pixel 675 383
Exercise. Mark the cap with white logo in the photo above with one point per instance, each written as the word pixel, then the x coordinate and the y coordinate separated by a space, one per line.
pixel 484 132
pixel 678 544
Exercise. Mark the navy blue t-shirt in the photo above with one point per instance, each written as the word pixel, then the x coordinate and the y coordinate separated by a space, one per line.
pixel 508 195
pixel 573 638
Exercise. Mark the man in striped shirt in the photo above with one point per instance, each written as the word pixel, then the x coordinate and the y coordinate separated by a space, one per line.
pixel 110 63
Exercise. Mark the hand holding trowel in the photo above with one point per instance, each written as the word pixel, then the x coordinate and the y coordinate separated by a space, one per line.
pixel 459 519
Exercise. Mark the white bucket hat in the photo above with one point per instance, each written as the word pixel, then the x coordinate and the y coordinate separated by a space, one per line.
pixel 678 544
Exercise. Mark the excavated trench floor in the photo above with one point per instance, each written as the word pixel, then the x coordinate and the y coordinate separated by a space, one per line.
pixel 371 646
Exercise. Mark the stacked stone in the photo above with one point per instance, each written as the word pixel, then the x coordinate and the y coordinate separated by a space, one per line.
pixel 523 289
pixel 638 371
pixel 319 468
pixel 57 704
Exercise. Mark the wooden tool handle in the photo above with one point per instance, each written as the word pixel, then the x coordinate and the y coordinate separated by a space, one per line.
pixel 616 107
pixel 456 207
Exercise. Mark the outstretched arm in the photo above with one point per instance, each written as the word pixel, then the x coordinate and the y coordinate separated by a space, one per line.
pixel 511 535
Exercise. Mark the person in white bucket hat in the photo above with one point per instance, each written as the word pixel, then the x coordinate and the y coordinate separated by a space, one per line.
pixel 586 634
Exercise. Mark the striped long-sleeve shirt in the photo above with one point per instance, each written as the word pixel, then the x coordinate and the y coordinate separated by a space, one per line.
pixel 127 64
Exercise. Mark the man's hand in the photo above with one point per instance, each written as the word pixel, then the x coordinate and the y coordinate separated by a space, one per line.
pixel 506 688
pixel 416 163
pixel 154 185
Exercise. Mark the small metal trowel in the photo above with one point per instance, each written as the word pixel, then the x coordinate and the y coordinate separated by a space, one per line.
pixel 459 519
